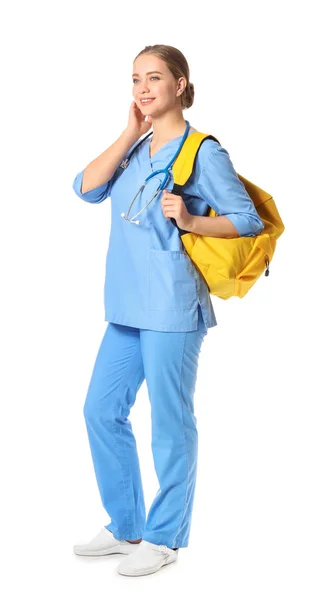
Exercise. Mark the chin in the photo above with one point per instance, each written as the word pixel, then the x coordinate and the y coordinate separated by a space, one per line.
pixel 155 111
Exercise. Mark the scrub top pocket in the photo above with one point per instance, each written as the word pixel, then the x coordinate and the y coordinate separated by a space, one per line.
pixel 172 284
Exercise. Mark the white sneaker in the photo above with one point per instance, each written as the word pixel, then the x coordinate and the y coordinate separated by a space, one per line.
pixel 147 559
pixel 104 543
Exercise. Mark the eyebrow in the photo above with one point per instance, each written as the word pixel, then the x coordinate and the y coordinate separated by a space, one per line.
pixel 149 73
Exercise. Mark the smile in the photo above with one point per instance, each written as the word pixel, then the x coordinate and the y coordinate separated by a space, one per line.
pixel 147 101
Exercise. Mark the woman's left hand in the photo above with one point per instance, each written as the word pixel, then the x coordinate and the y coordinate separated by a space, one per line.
pixel 174 207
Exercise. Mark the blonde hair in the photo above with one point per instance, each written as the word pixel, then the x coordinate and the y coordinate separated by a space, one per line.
pixel 177 64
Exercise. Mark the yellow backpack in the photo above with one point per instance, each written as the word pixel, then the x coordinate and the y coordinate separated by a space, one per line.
pixel 230 266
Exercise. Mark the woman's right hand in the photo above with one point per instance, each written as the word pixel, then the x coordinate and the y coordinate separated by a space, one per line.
pixel 137 126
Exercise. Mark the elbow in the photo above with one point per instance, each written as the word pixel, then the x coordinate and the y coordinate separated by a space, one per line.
pixel 246 225
pixel 257 229
pixel 94 196
pixel 258 226
pixel 77 185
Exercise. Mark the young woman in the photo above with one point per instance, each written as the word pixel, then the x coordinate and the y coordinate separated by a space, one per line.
pixel 158 310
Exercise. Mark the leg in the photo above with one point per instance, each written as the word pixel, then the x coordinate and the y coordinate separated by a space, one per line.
pixel 170 364
pixel 116 378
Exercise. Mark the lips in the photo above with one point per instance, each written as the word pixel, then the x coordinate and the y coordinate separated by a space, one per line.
pixel 147 101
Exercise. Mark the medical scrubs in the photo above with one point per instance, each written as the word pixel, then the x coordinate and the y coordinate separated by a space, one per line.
pixel 158 310
pixel 168 361
pixel 150 281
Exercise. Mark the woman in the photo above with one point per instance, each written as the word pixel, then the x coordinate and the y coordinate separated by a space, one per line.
pixel 158 310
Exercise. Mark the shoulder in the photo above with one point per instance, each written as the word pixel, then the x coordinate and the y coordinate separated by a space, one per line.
pixel 209 153
pixel 209 148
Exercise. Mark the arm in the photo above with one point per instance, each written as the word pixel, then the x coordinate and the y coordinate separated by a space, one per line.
pixel 216 227
pixel 93 183
pixel 219 185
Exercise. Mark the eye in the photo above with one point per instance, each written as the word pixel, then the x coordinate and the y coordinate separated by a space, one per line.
pixel 152 77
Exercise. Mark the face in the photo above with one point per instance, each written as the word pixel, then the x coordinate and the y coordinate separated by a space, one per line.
pixel 153 79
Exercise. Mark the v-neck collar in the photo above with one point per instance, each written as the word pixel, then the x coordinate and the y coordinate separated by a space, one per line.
pixel 164 145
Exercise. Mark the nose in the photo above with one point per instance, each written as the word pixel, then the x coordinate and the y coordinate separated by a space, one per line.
pixel 143 88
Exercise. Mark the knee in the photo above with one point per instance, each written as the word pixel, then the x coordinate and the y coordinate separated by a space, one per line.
pixel 97 408
pixel 88 409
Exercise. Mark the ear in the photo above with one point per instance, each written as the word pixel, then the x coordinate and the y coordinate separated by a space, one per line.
pixel 181 86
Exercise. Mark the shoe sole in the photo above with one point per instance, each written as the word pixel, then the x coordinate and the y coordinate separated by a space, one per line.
pixel 168 561
pixel 107 551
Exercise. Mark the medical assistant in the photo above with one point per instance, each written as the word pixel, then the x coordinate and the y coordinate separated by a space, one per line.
pixel 150 281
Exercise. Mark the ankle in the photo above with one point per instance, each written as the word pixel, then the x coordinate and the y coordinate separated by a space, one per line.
pixel 134 541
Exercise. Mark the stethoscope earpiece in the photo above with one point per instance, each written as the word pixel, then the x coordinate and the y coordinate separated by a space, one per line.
pixel 129 220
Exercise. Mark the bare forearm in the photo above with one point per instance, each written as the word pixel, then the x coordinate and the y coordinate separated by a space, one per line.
pixel 212 226
pixel 101 169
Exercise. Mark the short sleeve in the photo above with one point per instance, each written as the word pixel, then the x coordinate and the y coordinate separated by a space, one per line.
pixel 219 185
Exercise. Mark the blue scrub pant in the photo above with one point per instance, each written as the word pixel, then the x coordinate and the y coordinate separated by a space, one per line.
pixel 168 361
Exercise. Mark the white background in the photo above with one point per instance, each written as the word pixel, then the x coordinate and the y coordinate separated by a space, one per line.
pixel 66 91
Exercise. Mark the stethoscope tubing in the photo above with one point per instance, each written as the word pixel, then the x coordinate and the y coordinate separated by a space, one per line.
pixel 165 171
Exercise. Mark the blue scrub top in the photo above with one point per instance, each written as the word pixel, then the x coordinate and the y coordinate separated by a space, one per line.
pixel 150 281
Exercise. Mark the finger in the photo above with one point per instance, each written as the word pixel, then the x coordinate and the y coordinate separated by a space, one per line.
pixel 173 197
pixel 169 207
pixel 169 204
pixel 171 213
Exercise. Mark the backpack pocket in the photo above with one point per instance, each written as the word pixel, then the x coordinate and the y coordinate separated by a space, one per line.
pixel 257 262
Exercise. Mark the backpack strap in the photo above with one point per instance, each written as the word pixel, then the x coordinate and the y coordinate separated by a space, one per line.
pixel 184 164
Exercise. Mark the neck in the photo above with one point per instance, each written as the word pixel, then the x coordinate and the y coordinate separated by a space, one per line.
pixel 167 127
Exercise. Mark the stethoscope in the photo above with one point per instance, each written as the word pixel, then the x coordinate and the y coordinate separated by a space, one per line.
pixel 164 173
